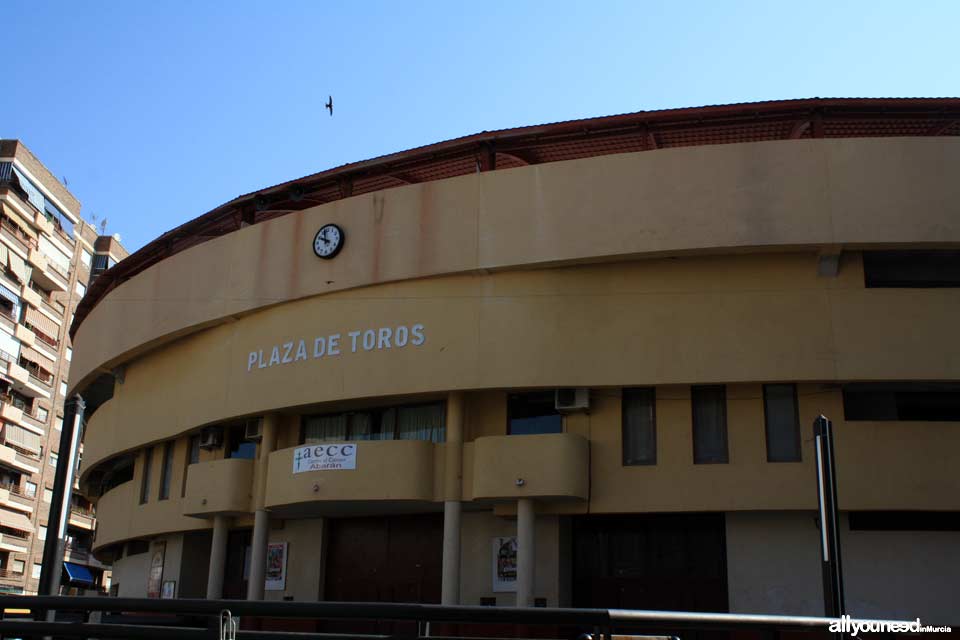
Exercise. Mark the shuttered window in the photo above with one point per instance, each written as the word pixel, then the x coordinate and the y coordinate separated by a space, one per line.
pixel 21 438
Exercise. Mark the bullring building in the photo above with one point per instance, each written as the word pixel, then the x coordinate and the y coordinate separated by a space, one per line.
pixel 574 364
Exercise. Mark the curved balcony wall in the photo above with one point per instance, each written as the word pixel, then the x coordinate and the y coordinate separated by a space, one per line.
pixel 548 466
pixel 799 193
pixel 394 470
pixel 218 487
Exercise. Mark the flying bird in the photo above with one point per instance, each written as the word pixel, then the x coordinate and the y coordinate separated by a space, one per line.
pixel 329 104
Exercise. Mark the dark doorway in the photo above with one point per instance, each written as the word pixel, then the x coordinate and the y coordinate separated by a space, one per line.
pixel 383 559
pixel 237 571
pixel 673 562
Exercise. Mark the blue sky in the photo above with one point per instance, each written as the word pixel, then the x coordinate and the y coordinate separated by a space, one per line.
pixel 157 112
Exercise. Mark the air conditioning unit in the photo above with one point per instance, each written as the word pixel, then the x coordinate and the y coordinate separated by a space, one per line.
pixel 211 438
pixel 570 399
pixel 253 430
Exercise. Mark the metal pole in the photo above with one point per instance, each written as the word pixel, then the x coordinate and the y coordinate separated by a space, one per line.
pixel 833 603
pixel 53 547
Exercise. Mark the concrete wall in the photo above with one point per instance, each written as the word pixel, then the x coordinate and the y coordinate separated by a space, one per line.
pixel 773 563
pixel 305 552
pixel 476 560
pixel 130 574
pixel 902 574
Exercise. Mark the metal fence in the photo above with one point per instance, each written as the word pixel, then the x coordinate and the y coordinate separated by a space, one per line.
pixel 185 619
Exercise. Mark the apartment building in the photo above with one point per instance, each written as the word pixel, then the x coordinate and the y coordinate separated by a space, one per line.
pixel 48 256
pixel 573 364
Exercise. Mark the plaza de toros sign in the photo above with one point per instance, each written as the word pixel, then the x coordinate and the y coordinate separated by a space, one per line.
pixel 336 344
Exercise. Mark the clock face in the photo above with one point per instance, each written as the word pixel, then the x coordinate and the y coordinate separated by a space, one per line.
pixel 328 241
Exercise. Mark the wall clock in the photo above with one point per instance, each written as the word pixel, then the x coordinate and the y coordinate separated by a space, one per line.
pixel 328 241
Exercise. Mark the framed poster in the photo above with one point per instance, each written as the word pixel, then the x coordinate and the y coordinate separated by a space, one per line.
pixel 505 564
pixel 155 576
pixel 276 577
pixel 169 590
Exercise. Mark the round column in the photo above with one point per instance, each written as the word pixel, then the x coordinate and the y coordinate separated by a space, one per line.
pixel 526 551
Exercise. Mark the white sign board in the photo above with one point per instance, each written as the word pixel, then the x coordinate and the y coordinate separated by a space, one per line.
pixel 325 457
pixel 504 564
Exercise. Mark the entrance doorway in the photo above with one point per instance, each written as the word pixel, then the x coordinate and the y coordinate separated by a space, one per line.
pixel 672 562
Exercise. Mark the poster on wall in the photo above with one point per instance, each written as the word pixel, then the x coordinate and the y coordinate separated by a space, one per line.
pixel 155 577
pixel 505 564
pixel 276 566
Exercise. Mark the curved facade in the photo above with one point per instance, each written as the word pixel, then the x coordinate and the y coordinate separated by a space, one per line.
pixel 690 311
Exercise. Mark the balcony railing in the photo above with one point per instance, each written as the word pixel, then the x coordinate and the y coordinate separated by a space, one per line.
pixel 42 337
pixel 55 266
pixel 9 231
pixel 24 455
pixel 8 575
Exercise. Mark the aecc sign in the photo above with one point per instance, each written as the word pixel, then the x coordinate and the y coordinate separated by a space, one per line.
pixel 324 457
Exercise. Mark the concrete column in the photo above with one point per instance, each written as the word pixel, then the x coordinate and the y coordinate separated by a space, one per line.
pixel 526 551
pixel 261 520
pixel 218 557
pixel 452 481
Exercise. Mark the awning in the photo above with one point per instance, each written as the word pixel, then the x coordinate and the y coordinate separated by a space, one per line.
pixel 16 521
pixel 42 323
pixel 19 268
pixel 37 358
pixel 78 575
pixel 21 438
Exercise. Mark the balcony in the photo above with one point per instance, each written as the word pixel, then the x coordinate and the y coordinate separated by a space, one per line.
pixel 397 470
pixel 218 487
pixel 16 237
pixel 47 273
pixel 18 461
pixel 15 501
pixel 41 222
pixel 11 413
pixel 11 577
pixel 81 519
pixel 24 335
pixel 120 516
pixel 30 296
pixel 552 466
pixel 13 542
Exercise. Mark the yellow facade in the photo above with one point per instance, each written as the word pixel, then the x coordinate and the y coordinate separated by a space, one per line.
pixel 671 269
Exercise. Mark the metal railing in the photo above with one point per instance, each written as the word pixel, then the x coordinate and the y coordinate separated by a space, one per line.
pixel 188 619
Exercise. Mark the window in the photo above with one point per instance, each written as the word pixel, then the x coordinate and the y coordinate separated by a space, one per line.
pixel 194 457
pixel 47 495
pixel 30 488
pixel 145 479
pixel 531 413
pixel 409 422
pixel 43 532
pixel 17 566
pixel 42 414
pixel 68 354
pixel 166 471
pixel 709 424
pixel 237 444
pixel 915 269
pixel 920 402
pixel 53 459
pixel 100 264
pixel 58 423
pixel 80 289
pixel 86 258
pixel 782 422
pixel 63 388
pixel 639 425
pixel 36 571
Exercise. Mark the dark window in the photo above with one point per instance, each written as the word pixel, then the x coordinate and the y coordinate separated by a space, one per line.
pixel 902 401
pixel 145 480
pixel 237 444
pixel 639 425
pixel 905 521
pixel 409 422
pixel 166 471
pixel 919 269
pixel 530 413
pixel 194 456
pixel 709 424
pixel 782 422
